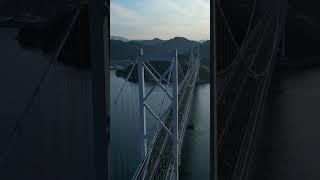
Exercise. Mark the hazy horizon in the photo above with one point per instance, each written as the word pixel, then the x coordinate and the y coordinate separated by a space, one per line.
pixel 165 19
pixel 160 38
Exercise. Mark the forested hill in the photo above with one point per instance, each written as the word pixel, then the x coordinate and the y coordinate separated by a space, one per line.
pixel 120 50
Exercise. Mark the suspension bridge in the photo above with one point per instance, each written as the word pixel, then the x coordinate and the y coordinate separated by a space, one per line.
pixel 244 70
pixel 245 62
pixel 160 153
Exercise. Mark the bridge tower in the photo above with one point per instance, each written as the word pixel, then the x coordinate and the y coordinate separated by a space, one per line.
pixel 198 58
pixel 143 106
pixel 142 109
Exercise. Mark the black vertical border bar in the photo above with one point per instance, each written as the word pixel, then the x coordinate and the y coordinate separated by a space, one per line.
pixel 213 91
pixel 107 56
pixel 99 57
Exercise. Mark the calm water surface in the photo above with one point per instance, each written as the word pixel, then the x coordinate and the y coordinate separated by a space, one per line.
pixel 289 138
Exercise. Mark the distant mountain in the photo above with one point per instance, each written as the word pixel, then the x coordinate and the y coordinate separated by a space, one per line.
pixel 154 41
pixel 120 50
pixel 120 38
pixel 202 41
pixel 156 48
pixel 180 43
pixel 205 53
pixel 129 50
pixel 205 49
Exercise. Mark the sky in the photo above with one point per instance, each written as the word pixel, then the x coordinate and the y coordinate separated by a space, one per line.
pixel 164 19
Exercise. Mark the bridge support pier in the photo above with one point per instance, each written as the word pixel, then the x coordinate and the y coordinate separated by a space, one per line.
pixel 175 122
pixel 161 159
pixel 142 109
pixel 172 130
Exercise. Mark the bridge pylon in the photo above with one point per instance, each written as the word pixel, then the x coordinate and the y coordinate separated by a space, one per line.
pixel 143 106
pixel 160 157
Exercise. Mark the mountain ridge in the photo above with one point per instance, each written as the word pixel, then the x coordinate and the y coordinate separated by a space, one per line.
pixel 120 38
pixel 154 48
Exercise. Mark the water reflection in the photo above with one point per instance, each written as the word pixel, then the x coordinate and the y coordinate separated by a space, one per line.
pixel 289 138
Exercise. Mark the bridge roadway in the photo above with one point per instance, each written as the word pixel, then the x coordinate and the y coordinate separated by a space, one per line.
pixel 158 162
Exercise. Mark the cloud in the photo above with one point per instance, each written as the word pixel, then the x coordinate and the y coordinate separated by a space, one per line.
pixel 147 19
